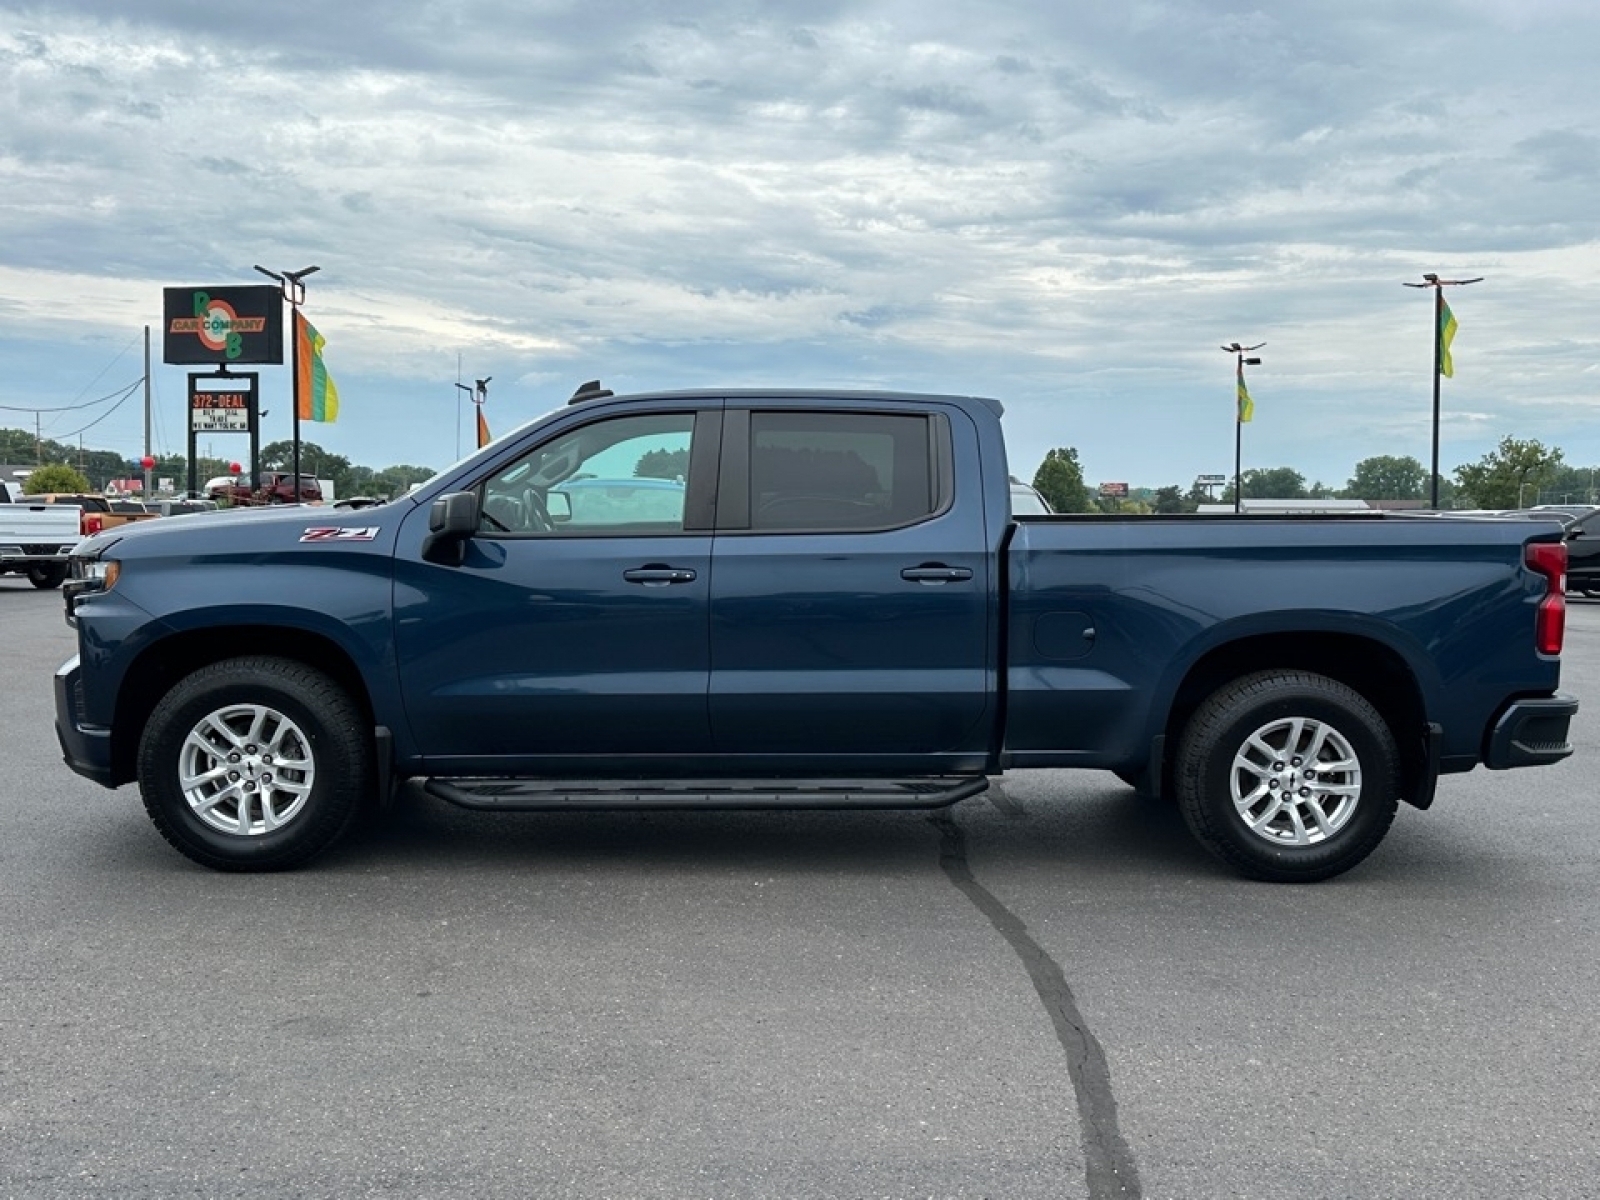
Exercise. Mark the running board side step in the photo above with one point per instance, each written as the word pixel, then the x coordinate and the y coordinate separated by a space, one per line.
pixel 601 795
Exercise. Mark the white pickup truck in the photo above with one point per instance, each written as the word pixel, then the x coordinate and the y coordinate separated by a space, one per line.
pixel 35 539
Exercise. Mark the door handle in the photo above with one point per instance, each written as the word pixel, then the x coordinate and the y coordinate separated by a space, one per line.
pixel 935 573
pixel 659 576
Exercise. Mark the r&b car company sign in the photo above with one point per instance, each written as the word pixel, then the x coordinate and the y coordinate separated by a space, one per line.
pixel 226 325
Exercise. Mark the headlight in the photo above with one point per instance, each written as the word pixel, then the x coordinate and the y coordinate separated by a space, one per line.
pixel 90 576
pixel 99 573
pixel 103 572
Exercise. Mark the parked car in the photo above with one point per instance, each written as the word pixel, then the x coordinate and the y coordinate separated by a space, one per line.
pixel 277 487
pixel 1026 501
pixel 1583 550
pixel 175 506
pixel 633 501
pixel 99 512
pixel 35 539
pixel 839 615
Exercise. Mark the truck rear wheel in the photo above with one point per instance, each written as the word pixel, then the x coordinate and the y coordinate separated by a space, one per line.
pixel 254 764
pixel 1288 776
pixel 47 575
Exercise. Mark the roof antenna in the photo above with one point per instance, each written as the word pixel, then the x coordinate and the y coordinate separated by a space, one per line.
pixel 590 391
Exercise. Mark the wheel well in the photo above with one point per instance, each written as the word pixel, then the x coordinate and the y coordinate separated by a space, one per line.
pixel 1369 667
pixel 152 675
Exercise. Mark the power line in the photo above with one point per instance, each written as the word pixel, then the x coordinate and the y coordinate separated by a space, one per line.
pixel 120 392
pixel 130 390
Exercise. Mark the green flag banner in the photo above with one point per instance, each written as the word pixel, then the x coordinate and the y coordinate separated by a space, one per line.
pixel 1447 334
pixel 316 397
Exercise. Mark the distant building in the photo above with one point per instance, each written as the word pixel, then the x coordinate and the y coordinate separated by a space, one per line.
pixel 1299 507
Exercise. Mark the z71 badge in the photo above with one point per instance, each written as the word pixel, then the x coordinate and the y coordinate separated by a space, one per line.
pixel 340 533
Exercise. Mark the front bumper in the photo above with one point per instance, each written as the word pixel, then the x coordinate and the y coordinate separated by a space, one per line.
pixel 86 748
pixel 1531 732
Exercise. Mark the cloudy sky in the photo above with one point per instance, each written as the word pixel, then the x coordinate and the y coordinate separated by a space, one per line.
pixel 1070 206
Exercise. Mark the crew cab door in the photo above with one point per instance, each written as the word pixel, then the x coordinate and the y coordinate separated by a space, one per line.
pixel 576 625
pixel 851 611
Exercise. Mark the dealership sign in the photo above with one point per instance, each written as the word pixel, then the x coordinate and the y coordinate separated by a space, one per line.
pixel 224 401
pixel 220 412
pixel 224 325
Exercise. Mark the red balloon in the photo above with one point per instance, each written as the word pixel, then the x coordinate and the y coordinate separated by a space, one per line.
pixel 234 468
pixel 147 462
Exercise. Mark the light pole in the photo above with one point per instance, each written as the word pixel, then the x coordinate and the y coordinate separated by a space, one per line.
pixel 1246 409
pixel 479 395
pixel 294 291
pixel 461 387
pixel 1439 310
pixel 480 398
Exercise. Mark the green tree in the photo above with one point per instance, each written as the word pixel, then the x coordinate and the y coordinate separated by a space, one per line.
pixel 1387 477
pixel 663 464
pixel 55 477
pixel 1509 476
pixel 397 480
pixel 1572 485
pixel 314 460
pixel 1059 480
pixel 1275 483
pixel 1170 500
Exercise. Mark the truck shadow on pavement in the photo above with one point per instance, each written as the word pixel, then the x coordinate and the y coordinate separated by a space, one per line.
pixel 1099 827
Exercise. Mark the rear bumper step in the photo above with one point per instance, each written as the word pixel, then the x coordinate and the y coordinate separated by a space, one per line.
pixel 1532 732
pixel 599 795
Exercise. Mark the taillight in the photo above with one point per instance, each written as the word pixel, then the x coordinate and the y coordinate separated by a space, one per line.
pixel 92 523
pixel 1550 624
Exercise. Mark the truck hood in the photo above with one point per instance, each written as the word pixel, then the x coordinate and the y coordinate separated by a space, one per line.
pixel 249 530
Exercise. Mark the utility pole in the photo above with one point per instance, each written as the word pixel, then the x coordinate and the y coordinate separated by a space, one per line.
pixel 294 291
pixel 1439 309
pixel 149 490
pixel 1244 411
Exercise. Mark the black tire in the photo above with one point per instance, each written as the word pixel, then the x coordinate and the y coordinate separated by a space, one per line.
pixel 309 731
pixel 47 575
pixel 1355 793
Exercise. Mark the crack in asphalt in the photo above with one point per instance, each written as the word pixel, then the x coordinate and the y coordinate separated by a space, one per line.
pixel 1110 1169
pixel 997 796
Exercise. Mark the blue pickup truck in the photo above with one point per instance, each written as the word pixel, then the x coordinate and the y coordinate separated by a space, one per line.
pixel 791 599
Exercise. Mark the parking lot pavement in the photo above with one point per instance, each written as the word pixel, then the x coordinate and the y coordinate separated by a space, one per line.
pixel 1047 992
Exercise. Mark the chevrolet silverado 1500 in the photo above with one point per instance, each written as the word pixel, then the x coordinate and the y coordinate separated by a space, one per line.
pixel 827 602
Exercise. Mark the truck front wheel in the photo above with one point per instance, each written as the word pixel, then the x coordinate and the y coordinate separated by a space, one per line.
pixel 1288 776
pixel 47 575
pixel 254 764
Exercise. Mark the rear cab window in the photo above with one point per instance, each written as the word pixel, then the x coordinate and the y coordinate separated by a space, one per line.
pixel 832 470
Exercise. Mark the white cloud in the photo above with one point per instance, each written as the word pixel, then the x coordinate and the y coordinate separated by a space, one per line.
pixel 1068 209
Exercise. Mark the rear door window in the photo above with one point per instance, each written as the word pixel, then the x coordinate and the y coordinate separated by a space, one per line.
pixel 819 471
